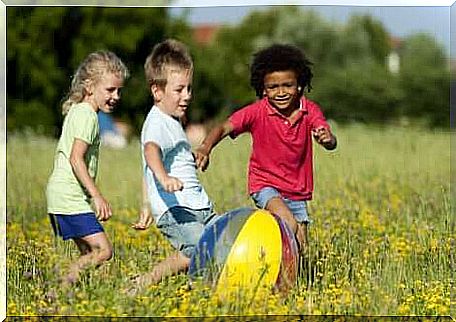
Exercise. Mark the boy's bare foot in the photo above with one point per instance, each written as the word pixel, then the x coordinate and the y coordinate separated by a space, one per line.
pixel 140 282
pixel 171 265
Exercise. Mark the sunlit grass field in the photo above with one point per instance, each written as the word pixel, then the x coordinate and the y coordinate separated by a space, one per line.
pixel 382 240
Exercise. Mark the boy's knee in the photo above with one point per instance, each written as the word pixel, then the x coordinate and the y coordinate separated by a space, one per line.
pixel 275 202
pixel 277 206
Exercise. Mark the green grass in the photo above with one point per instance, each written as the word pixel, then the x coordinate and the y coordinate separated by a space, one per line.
pixel 382 241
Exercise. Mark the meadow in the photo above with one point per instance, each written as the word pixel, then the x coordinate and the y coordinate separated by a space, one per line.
pixel 381 242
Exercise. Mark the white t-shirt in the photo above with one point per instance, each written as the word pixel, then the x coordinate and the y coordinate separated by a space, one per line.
pixel 167 132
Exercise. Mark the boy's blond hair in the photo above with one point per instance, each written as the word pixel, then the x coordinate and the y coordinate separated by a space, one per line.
pixel 166 55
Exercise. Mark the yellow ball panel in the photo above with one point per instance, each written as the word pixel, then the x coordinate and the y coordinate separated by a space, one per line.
pixel 254 259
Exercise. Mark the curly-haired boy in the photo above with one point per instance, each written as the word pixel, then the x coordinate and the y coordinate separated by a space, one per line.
pixel 282 123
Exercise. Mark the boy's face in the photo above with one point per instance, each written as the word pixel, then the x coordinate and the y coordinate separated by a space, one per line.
pixel 281 89
pixel 174 98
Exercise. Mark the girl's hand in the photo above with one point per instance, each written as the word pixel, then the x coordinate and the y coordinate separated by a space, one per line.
pixel 145 219
pixel 102 208
pixel 171 184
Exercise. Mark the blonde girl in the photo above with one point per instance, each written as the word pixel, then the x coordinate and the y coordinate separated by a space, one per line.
pixel 74 203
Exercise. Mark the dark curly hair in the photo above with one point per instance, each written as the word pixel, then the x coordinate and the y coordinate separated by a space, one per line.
pixel 276 58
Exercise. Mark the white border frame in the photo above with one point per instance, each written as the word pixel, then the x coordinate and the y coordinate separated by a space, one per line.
pixel 3 161
pixel 146 3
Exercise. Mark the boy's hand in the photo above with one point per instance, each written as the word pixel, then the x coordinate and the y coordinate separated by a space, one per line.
pixel 145 219
pixel 324 137
pixel 201 158
pixel 171 184
pixel 102 208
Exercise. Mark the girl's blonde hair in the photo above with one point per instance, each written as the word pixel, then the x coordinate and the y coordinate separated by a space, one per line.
pixel 94 66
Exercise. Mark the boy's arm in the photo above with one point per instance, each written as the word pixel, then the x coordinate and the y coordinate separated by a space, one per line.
pixel 211 140
pixel 78 151
pixel 325 137
pixel 152 154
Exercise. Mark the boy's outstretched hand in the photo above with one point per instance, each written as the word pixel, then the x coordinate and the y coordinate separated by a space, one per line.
pixel 324 137
pixel 201 158
pixel 202 153
pixel 144 221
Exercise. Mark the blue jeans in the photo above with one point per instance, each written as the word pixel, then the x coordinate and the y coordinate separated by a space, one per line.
pixel 183 227
pixel 297 207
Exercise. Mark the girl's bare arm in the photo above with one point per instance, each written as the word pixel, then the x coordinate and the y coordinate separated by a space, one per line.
pixel 78 151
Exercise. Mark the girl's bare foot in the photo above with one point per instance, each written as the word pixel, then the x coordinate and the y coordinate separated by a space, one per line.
pixel 70 279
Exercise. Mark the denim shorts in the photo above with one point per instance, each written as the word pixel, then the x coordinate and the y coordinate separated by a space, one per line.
pixel 183 227
pixel 75 226
pixel 297 207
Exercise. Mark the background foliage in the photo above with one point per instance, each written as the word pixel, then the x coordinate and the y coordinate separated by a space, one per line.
pixel 352 81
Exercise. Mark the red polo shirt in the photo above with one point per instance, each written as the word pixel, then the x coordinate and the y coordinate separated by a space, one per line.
pixel 281 152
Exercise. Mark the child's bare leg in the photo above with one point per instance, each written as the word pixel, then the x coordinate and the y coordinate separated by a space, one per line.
pixel 95 249
pixel 277 206
pixel 173 264
pixel 301 236
pixel 83 246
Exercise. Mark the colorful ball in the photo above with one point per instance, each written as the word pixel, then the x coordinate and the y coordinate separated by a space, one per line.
pixel 246 248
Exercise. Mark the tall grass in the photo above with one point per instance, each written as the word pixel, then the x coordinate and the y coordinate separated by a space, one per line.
pixel 381 242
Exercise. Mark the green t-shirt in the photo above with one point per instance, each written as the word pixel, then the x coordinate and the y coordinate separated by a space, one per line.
pixel 65 195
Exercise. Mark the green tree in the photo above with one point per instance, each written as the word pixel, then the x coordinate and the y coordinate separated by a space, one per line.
pixel 361 92
pixel 303 28
pixel 232 50
pixel 425 80
pixel 45 45
pixel 208 90
pixel 33 74
pixel 374 36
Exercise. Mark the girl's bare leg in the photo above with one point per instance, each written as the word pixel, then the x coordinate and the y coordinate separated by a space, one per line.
pixel 95 249
pixel 83 246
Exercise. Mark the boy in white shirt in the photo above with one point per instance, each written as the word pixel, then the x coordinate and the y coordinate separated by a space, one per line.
pixel 179 203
